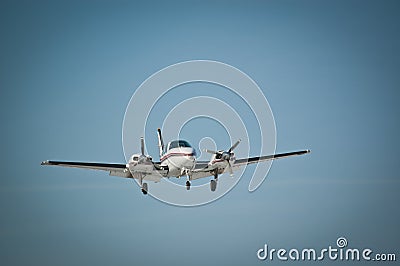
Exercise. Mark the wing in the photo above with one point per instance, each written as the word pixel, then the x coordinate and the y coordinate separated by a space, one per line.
pixel 204 169
pixel 114 169
pixel 245 161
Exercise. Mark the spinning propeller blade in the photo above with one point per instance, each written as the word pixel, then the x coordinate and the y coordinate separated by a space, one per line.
pixel 210 151
pixel 230 168
pixel 142 145
pixel 234 146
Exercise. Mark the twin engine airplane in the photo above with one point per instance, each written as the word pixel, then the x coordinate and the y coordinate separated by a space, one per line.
pixel 177 158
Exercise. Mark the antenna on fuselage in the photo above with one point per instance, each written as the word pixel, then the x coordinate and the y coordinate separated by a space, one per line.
pixel 160 142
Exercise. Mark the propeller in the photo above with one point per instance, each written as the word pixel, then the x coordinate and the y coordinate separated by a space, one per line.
pixel 142 145
pixel 210 151
pixel 225 155
pixel 234 146
pixel 230 168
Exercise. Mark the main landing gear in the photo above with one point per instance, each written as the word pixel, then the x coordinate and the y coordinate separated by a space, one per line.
pixel 188 185
pixel 213 182
pixel 213 185
pixel 144 189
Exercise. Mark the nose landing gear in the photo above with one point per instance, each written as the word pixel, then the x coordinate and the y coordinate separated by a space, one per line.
pixel 187 173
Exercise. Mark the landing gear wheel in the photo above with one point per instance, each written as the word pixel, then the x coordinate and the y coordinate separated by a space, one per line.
pixel 188 185
pixel 213 185
pixel 144 189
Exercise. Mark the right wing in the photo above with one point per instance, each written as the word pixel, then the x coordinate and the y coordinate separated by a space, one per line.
pixel 114 169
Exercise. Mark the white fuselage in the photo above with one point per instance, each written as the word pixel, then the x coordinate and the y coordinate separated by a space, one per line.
pixel 179 160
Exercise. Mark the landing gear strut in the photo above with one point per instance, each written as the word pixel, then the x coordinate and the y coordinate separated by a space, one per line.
pixel 143 185
pixel 216 174
pixel 187 173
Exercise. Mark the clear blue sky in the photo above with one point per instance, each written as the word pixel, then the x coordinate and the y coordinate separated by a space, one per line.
pixel 68 68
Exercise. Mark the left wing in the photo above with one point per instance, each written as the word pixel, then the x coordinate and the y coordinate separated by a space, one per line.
pixel 114 169
pixel 245 161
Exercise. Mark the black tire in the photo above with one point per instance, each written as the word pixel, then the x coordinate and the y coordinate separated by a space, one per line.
pixel 188 185
pixel 144 189
pixel 213 185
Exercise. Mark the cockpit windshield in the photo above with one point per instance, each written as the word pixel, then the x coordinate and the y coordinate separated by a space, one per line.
pixel 178 144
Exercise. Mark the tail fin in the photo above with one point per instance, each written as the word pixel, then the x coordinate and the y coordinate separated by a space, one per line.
pixel 160 142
